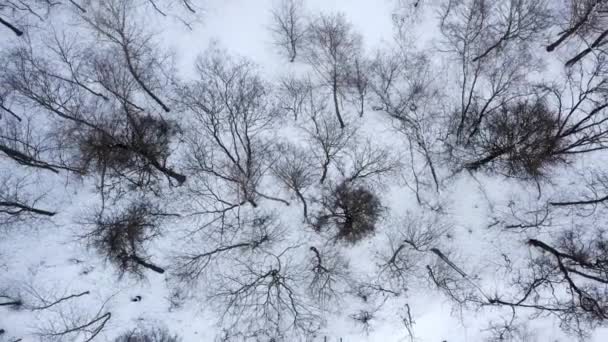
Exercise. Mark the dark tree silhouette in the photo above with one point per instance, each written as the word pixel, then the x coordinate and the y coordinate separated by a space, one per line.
pixel 288 27
pixel 121 237
pixel 332 49
pixel 231 104
pixel 352 211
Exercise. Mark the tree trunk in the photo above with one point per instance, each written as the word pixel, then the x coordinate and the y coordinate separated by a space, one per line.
pixel 18 32
pixel 337 103
pixel 23 207
pixel 597 43
pixel 304 204
pixel 294 52
pixel 167 171
pixel 12 303
pixel 324 174
pixel 480 162
pixel 571 30
pixel 140 82
pixel 24 159
pixel 252 202
pixel 145 264
pixel 362 105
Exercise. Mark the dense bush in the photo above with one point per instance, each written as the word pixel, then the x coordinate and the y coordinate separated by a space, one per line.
pixel 353 211
pixel 121 237
pixel 518 139
pixel 148 335
pixel 135 149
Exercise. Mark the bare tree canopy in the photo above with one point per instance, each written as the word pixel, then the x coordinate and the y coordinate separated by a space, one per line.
pixel 20 15
pixel 289 27
pixel 293 170
pixel 332 50
pixel 584 20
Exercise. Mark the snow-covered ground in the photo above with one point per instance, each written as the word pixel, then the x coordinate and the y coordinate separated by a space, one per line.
pixel 48 259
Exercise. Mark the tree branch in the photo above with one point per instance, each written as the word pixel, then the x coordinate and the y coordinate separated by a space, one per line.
pixel 18 32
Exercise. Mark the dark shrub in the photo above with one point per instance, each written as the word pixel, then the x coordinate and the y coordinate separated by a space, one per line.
pixel 121 237
pixel 519 139
pixel 148 335
pixel 134 149
pixel 354 212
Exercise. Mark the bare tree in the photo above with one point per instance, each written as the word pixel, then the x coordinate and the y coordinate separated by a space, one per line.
pixel 121 237
pixel 406 12
pixel 407 253
pixel 373 300
pixel 364 318
pixel 56 315
pixel 90 100
pixel 509 329
pixel 366 163
pixel 520 135
pixel 564 123
pixel 416 252
pixel 492 25
pixel 593 198
pixel 584 20
pixel 19 15
pixel 246 239
pixel 358 83
pixel 102 101
pixel 262 298
pixel 530 137
pixel 183 10
pixel 112 20
pixel 522 219
pixel 288 27
pixel 329 272
pixel 332 50
pixel 14 15
pixel 24 142
pixel 144 150
pixel 16 202
pixel 74 325
pixel 231 104
pixel 294 93
pixel 295 169
pixel 566 280
pixel 408 322
pixel 490 40
pixel 402 88
pixel 328 142
pixel 36 297
pixel 456 285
